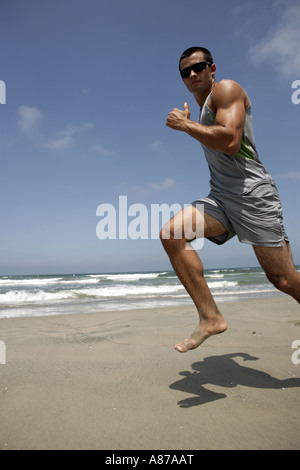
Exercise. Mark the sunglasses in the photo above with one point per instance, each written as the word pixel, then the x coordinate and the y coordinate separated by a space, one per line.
pixel 198 67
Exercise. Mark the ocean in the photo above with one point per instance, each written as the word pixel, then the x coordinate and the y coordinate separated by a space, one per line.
pixel 40 295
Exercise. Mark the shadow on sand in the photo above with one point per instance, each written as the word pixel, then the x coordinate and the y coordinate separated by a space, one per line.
pixel 225 372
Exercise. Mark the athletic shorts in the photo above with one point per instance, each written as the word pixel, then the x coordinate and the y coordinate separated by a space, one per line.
pixel 255 216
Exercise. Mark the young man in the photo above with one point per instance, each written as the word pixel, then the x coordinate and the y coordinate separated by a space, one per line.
pixel 243 200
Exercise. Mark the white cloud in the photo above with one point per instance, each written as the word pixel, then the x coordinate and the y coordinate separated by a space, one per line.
pixel 102 151
pixel 166 184
pixel 30 117
pixel 67 136
pixel 291 175
pixel 158 147
pixel 72 129
pixel 242 8
pixel 60 143
pixel 281 43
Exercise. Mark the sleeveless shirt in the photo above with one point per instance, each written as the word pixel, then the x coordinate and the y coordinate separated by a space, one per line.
pixel 236 174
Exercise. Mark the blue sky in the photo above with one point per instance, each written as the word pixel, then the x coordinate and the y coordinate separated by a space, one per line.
pixel 89 85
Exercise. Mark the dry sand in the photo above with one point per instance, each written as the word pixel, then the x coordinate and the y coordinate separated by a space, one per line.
pixel 113 380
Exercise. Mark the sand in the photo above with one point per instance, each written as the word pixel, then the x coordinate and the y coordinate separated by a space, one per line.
pixel 112 381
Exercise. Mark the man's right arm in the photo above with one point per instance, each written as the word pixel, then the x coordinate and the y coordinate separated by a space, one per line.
pixel 225 136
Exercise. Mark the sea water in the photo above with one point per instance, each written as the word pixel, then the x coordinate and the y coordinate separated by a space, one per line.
pixel 40 295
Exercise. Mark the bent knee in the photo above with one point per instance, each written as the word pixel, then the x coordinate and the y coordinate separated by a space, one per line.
pixel 176 232
pixel 281 283
pixel 168 233
pixel 171 240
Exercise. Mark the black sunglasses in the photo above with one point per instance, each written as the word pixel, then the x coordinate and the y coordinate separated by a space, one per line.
pixel 198 67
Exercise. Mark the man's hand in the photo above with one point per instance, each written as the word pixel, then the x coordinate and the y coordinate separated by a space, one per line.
pixel 177 118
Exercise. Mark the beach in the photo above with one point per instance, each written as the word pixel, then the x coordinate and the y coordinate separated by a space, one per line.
pixel 113 381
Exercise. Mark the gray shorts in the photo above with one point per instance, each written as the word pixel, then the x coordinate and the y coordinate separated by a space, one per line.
pixel 255 216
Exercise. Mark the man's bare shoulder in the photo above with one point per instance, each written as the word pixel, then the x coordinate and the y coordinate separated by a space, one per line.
pixel 227 87
pixel 227 92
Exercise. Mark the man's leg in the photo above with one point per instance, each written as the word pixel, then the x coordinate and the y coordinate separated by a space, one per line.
pixel 189 270
pixel 279 268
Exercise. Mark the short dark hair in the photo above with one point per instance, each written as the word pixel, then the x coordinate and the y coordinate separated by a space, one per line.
pixel 191 50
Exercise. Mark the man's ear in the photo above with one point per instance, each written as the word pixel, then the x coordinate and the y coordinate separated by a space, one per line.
pixel 213 68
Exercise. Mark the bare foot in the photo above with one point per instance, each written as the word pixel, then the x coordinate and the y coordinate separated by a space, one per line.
pixel 204 330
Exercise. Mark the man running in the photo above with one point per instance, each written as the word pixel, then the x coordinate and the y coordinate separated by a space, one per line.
pixel 243 200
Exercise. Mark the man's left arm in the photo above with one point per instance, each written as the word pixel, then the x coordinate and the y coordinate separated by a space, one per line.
pixel 225 136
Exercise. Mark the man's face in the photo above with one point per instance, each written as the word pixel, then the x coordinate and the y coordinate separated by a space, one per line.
pixel 197 82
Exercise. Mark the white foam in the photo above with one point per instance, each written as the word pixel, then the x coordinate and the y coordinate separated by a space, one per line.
pixel 29 282
pixel 215 276
pixel 221 284
pixel 131 277
pixel 40 296
pixel 126 292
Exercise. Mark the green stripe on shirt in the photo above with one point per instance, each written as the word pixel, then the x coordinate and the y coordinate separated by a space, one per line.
pixel 245 151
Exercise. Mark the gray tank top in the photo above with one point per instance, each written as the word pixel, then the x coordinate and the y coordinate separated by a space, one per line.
pixel 240 173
